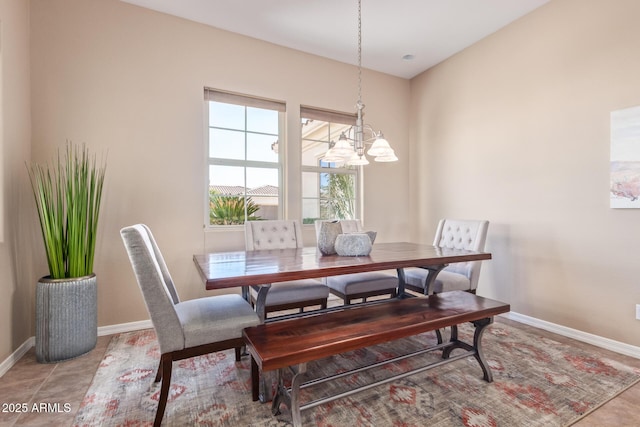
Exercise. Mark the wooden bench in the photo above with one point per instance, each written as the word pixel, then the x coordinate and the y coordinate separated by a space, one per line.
pixel 292 343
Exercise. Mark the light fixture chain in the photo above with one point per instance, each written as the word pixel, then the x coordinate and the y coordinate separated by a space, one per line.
pixel 359 51
pixel 380 147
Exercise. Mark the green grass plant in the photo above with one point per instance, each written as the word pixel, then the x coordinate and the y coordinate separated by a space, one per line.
pixel 68 195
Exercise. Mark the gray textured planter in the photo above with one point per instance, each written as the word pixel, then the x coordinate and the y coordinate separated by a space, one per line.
pixel 66 318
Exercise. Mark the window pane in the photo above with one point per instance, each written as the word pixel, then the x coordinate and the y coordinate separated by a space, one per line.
pixel 328 196
pixel 337 192
pixel 227 176
pixel 310 185
pixel 328 189
pixel 228 116
pixel 229 196
pixel 227 201
pixel 317 135
pixel 242 137
pixel 310 210
pixel 312 152
pixel 259 147
pixel 261 120
pixel 226 144
pixel 262 177
pixel 262 189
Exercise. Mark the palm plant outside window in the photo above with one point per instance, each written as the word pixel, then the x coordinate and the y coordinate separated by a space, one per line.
pixel 244 167
pixel 329 190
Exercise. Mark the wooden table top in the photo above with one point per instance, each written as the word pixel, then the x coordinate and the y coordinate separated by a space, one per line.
pixel 245 268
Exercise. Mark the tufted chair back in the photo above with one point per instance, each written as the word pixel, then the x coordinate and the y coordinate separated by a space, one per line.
pixel 463 234
pixel 272 234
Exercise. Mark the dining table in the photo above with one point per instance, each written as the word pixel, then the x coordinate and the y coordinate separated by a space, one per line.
pixel 221 270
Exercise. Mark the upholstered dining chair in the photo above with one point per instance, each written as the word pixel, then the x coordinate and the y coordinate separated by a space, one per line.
pixel 359 285
pixel 452 233
pixel 284 234
pixel 184 328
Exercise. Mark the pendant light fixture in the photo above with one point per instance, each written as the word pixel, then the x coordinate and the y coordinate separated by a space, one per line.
pixel 350 148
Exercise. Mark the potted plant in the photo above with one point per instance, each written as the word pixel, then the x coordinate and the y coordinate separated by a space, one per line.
pixel 67 196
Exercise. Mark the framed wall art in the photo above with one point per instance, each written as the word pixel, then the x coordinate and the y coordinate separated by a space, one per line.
pixel 625 158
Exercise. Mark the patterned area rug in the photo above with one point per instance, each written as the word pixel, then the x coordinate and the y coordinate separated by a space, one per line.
pixel 537 382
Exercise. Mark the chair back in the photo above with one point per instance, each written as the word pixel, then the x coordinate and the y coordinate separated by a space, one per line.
pixel 156 284
pixel 463 234
pixel 272 234
pixel 348 225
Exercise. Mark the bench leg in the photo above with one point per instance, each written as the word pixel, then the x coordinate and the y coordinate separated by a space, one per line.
pixel 255 381
pixel 266 386
pixel 261 384
pixel 480 326
pixel 453 340
pixel 295 395
pixel 280 393
pixel 477 344
pixel 439 336
pixel 290 397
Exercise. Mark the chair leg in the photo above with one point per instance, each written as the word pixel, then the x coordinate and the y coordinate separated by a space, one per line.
pixel 238 353
pixel 166 363
pixel 159 373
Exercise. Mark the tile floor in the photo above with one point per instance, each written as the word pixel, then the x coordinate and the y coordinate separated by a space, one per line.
pixel 66 383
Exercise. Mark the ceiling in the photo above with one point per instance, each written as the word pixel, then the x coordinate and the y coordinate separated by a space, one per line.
pixel 429 30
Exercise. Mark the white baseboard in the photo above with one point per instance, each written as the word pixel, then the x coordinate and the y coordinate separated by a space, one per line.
pixel 598 341
pixel 124 327
pixel 606 343
pixel 103 330
pixel 16 355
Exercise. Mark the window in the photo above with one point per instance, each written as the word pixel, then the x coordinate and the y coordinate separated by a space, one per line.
pixel 244 168
pixel 329 190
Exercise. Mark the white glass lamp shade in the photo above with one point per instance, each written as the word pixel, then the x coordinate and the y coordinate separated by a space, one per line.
pixel 356 160
pixel 331 157
pixel 342 148
pixel 380 147
pixel 389 157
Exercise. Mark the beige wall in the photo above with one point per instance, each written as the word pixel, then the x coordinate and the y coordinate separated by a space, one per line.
pixel 129 80
pixel 515 129
pixel 16 303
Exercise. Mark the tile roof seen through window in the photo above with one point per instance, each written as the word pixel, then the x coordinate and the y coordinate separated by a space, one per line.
pixel 236 190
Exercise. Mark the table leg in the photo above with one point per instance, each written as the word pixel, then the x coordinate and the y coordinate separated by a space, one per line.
pixel 261 302
pixel 432 273
pixel 401 283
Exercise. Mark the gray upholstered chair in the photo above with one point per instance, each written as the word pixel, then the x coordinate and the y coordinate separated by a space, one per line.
pixel 360 285
pixel 184 328
pixel 284 234
pixel 451 233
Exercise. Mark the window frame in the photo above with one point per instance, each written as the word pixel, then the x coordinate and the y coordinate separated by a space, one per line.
pixel 331 117
pixel 245 101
